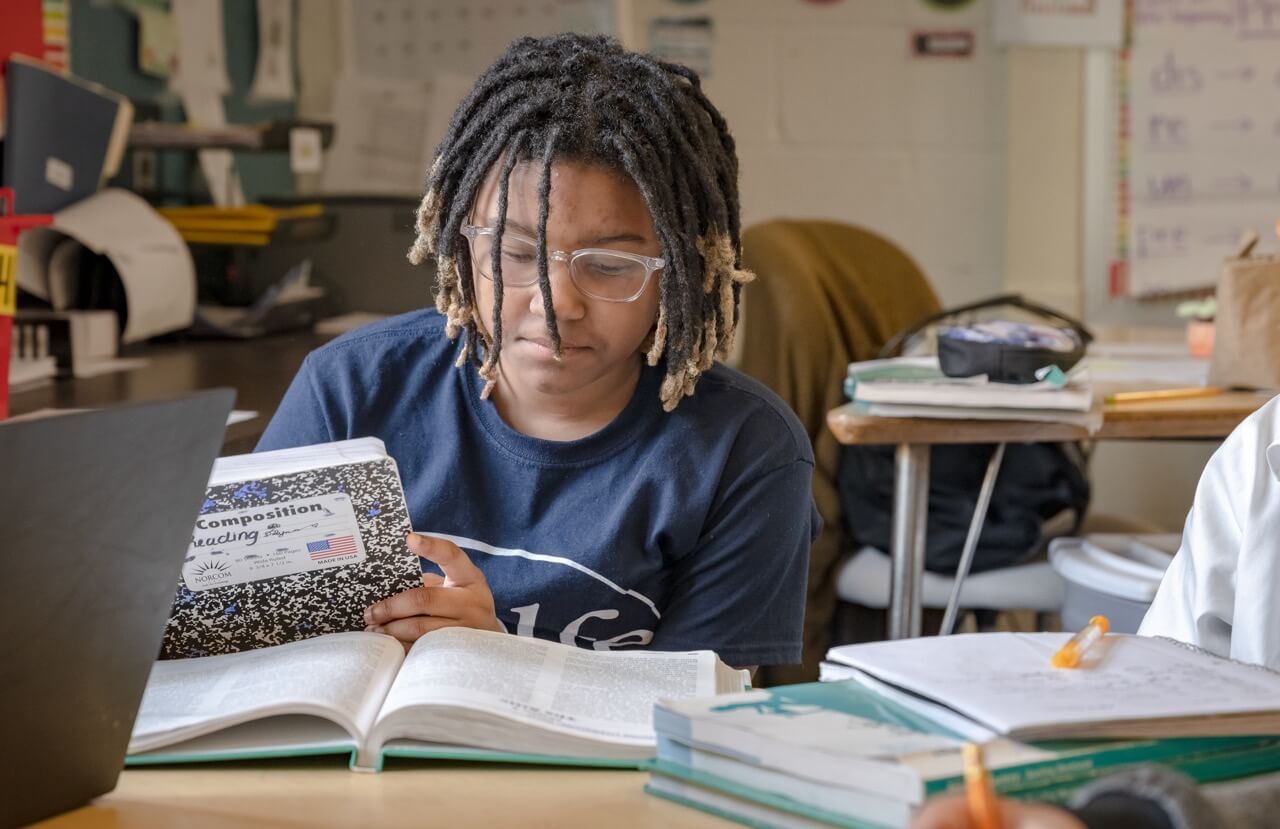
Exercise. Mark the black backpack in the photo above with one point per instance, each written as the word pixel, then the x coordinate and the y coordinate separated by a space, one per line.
pixel 1037 481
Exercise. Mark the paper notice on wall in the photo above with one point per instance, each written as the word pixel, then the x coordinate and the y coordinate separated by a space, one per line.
pixel 273 76
pixel 381 141
pixel 152 260
pixel 157 41
pixel 684 40
pixel 201 53
pixel 1097 23
pixel 447 91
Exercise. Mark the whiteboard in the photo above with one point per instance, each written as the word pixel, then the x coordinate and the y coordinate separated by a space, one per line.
pixel 1199 148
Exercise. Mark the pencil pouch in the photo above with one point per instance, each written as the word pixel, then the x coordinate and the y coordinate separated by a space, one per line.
pixel 1005 351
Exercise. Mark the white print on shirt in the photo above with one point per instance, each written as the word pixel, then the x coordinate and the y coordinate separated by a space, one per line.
pixel 526 617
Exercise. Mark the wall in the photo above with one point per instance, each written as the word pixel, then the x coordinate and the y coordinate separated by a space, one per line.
pixel 104 44
pixel 1059 240
pixel 835 119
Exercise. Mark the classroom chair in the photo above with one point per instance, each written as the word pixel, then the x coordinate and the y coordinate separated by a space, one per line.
pixel 826 294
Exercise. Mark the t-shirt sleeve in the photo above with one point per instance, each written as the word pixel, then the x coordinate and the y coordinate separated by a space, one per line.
pixel 741 593
pixel 301 419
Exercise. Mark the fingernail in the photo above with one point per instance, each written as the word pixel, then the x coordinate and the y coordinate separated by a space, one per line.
pixel 373 629
pixel 368 615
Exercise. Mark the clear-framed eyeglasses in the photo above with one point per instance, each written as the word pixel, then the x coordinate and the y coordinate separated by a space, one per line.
pixel 609 275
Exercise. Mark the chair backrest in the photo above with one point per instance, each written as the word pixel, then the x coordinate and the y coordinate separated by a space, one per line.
pixel 826 294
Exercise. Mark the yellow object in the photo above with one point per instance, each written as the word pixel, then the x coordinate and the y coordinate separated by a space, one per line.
pixel 252 224
pixel 1070 654
pixel 984 810
pixel 8 280
pixel 1163 394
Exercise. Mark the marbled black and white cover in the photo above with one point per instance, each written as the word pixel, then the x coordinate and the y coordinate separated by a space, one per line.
pixel 284 558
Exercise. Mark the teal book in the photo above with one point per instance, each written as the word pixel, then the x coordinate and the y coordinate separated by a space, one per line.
pixel 457 694
pixel 861 753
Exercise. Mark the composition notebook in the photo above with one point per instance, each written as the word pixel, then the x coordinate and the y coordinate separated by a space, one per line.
pixel 458 694
pixel 289 545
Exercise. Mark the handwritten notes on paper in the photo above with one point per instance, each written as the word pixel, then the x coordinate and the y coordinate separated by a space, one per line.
pixel 1203 136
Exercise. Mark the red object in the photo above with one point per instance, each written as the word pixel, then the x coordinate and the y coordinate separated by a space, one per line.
pixel 12 224
pixel 1118 279
pixel 23 29
pixel 22 32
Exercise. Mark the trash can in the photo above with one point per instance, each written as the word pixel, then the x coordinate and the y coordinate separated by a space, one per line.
pixel 1113 575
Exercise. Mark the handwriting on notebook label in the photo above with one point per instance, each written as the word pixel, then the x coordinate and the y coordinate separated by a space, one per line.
pixel 272 540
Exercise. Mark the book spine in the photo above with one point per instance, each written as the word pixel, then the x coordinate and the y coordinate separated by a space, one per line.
pixel 1199 754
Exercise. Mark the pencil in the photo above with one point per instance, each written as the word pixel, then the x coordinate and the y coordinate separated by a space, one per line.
pixel 1163 394
pixel 984 811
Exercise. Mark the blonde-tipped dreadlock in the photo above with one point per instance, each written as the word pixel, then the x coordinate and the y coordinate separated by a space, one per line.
pixel 585 98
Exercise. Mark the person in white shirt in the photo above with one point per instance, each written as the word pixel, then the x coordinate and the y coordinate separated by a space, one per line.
pixel 1222 591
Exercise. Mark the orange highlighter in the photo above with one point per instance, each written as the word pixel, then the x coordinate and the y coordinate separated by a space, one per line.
pixel 984 811
pixel 1070 654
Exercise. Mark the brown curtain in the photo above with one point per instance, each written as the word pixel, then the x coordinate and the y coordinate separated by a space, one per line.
pixel 826 295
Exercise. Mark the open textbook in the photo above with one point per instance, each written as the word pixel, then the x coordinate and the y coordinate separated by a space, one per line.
pixel 1128 686
pixel 457 694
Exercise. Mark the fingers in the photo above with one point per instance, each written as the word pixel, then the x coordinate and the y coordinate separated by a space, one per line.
pixel 944 813
pixel 449 557
pixel 446 602
pixel 432 579
pixel 411 629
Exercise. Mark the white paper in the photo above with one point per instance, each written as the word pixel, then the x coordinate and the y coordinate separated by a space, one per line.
pixel 281 462
pixel 273 76
pixel 306 150
pixel 201 54
pixel 447 91
pixel 380 141
pixel 1006 681
pixel 1097 23
pixel 240 416
pixel 561 688
pixel 204 108
pixel 152 260
pixel 344 675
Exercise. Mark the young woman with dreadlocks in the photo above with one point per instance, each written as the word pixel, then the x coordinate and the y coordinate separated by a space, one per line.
pixel 582 216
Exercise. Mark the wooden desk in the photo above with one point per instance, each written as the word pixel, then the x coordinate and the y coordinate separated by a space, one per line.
pixel 260 371
pixel 1193 418
pixel 320 794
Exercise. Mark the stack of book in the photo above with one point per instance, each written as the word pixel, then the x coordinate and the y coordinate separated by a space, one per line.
pixel 916 387
pixel 868 751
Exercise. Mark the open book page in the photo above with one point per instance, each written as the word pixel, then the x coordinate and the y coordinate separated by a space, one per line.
pixel 342 677
pixel 596 696
pixel 299 459
pixel 1128 685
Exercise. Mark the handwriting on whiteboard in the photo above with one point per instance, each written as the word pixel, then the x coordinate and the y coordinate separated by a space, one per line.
pixel 1204 135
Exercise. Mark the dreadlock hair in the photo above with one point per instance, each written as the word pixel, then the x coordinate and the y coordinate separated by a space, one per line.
pixel 586 98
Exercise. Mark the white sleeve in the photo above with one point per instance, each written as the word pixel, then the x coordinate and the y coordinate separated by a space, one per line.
pixel 1196 599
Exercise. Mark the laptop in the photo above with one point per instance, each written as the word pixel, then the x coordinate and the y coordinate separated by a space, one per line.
pixel 96 512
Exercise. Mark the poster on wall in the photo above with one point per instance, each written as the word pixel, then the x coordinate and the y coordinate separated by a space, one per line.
pixel 1082 23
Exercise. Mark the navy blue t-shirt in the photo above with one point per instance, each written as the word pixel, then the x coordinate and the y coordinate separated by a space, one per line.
pixel 681 530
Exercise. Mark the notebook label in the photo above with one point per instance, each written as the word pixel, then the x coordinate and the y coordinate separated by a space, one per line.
pixel 272 540
pixel 59 173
